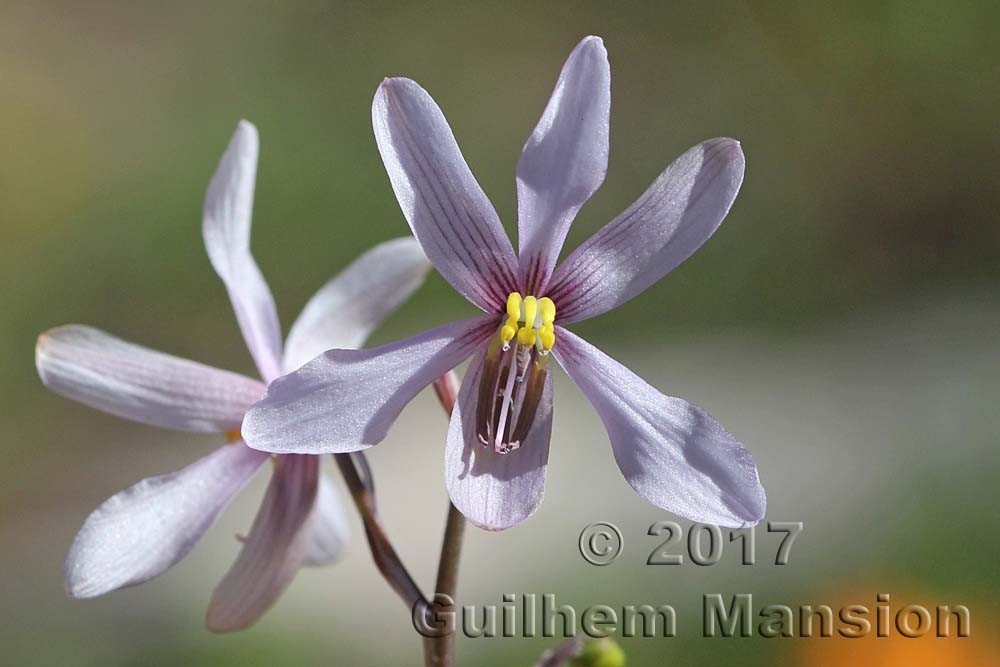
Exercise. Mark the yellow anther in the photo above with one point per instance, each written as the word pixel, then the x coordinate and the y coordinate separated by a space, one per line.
pixel 531 320
pixel 530 309
pixel 233 436
pixel 526 336
pixel 547 334
pixel 514 307
pixel 548 309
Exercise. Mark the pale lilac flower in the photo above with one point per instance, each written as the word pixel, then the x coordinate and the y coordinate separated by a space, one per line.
pixel 142 531
pixel 671 452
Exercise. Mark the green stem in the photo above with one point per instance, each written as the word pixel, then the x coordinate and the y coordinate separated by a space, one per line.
pixel 440 651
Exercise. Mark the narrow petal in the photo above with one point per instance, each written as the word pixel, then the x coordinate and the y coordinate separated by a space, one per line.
pixel 227 214
pixel 672 453
pixel 328 533
pixel 346 400
pixel 672 219
pixel 133 382
pixel 564 161
pixel 273 552
pixel 348 308
pixel 495 491
pixel 447 210
pixel 141 532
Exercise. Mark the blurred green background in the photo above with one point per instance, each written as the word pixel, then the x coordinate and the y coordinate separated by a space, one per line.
pixel 842 323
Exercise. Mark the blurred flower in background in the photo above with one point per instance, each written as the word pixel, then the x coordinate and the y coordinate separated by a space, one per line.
pixel 141 532
pixel 979 649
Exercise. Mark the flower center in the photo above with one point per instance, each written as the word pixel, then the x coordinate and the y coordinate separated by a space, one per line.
pixel 514 373
pixel 531 320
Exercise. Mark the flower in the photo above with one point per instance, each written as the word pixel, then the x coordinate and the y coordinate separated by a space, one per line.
pixel 141 532
pixel 875 637
pixel 671 452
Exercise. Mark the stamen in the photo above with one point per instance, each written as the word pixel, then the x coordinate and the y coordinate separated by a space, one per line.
pixel 514 306
pixel 530 309
pixel 547 336
pixel 547 309
pixel 512 381
pixel 509 330
pixel 506 400
pixel 526 336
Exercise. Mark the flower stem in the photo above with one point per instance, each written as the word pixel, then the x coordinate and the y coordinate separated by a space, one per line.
pixel 383 553
pixel 440 651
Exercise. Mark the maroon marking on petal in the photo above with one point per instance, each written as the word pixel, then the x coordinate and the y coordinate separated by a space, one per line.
pixel 469 238
pixel 569 292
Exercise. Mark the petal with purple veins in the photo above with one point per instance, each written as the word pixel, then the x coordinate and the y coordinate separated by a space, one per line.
pixel 495 491
pixel 674 454
pixel 134 382
pixel 346 400
pixel 564 161
pixel 673 218
pixel 275 549
pixel 447 209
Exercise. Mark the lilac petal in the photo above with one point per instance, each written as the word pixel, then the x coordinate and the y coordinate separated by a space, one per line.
pixel 328 533
pixel 133 382
pixel 678 213
pixel 346 400
pixel 672 453
pixel 348 308
pixel 141 532
pixel 227 214
pixel 447 210
pixel 495 491
pixel 274 550
pixel 564 161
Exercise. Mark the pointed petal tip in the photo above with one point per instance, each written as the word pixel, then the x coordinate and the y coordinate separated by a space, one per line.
pixel 75 586
pixel 752 515
pixel 76 589
pixel 592 46
pixel 729 148
pixel 246 135
pixel 396 83
pixel 44 339
pixel 79 587
pixel 40 348
pixel 43 348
